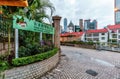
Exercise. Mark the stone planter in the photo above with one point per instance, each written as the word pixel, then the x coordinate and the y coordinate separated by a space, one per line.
pixel 32 71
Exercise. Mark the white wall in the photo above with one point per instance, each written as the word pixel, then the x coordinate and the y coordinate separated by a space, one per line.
pixel 83 37
pixel 105 36
pixel 111 35
pixel 118 36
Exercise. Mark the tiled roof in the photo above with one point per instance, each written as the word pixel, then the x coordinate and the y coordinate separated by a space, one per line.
pixel 112 27
pixel 97 31
pixel 65 34
pixel 73 33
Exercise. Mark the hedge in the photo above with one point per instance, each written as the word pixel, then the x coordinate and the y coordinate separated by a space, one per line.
pixel 4 65
pixel 79 42
pixel 31 59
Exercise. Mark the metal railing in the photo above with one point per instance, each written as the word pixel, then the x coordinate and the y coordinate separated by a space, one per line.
pixel 108 46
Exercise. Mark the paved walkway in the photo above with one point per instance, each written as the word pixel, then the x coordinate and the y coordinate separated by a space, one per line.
pixel 79 63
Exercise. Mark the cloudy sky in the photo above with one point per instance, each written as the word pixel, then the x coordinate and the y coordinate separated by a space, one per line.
pixel 73 10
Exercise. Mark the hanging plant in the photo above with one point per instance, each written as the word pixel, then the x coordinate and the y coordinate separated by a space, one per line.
pixel 21 22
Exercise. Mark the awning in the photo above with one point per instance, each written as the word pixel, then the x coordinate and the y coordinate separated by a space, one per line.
pixel 19 3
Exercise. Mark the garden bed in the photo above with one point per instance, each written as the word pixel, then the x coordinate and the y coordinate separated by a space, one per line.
pixel 89 45
pixel 33 70
pixel 4 65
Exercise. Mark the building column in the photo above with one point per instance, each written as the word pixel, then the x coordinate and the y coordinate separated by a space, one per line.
pixel 56 24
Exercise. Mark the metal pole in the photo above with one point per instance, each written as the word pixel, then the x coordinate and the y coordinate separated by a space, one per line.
pixel 40 36
pixel 16 43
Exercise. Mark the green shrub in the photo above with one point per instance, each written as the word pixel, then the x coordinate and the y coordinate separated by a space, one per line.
pixel 34 58
pixel 23 51
pixel 33 49
pixel 29 49
pixel 78 42
pixel 3 65
pixel 3 57
pixel 98 43
pixel 90 43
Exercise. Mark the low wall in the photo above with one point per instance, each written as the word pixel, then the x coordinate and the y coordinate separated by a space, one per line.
pixel 80 45
pixel 32 71
pixel 85 46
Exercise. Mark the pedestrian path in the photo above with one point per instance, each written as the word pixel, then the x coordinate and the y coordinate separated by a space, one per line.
pixel 79 63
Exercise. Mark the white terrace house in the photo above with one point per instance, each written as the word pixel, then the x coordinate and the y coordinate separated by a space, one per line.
pixel 114 33
pixel 99 35
pixel 109 34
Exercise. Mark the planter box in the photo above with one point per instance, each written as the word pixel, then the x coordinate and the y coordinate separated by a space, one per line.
pixel 32 71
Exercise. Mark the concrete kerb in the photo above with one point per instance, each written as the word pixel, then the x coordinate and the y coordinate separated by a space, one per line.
pixel 55 66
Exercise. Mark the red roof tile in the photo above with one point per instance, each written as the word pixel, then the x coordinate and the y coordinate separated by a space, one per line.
pixel 112 27
pixel 73 33
pixel 97 31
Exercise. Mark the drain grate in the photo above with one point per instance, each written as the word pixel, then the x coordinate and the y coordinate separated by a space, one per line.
pixel 118 67
pixel 91 72
pixel 63 55
pixel 80 53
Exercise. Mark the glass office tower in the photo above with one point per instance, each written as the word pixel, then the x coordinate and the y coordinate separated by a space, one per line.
pixel 117 11
pixel 65 24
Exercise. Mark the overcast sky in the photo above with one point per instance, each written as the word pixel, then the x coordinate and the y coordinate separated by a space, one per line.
pixel 73 10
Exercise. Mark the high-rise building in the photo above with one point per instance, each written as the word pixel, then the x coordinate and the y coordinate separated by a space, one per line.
pixel 81 24
pixel 86 24
pixel 77 28
pixel 65 24
pixel 93 25
pixel 117 11
pixel 71 27
pixel 61 29
pixel 90 25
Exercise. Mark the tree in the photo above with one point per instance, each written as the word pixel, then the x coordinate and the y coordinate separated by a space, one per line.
pixel 36 10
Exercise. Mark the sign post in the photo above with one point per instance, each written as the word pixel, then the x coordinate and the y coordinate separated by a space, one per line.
pixel 16 43
pixel 29 25
pixel 40 36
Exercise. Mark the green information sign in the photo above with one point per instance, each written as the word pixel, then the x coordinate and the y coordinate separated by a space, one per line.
pixel 31 25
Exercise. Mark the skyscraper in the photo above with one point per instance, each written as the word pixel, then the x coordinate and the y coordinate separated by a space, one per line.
pixel 77 28
pixel 90 25
pixel 117 11
pixel 81 24
pixel 65 24
pixel 93 25
pixel 71 27
pixel 86 24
